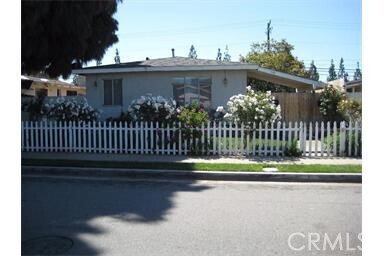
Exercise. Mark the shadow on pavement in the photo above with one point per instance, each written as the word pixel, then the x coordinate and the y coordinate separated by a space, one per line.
pixel 60 207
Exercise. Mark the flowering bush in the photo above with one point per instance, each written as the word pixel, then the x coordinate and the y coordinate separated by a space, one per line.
pixel 329 100
pixel 63 109
pixel 252 107
pixel 153 109
pixel 350 109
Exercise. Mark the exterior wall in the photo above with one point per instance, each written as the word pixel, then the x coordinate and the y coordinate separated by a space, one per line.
pixel 52 90
pixel 160 83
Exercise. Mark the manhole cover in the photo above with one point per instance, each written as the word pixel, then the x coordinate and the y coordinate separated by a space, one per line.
pixel 46 245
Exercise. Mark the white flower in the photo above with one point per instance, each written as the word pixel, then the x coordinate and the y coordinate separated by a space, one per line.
pixel 220 109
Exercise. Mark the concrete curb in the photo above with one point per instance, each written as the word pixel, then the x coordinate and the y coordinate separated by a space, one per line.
pixel 197 175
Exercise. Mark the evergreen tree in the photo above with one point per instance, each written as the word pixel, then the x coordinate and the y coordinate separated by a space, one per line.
pixel 357 74
pixel 346 75
pixel 341 73
pixel 219 55
pixel 331 72
pixel 192 53
pixel 313 74
pixel 57 36
pixel 227 57
pixel 117 57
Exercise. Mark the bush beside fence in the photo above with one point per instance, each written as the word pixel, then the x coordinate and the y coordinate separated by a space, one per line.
pixel 213 138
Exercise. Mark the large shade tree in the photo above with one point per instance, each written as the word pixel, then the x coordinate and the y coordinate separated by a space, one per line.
pixel 57 36
pixel 277 56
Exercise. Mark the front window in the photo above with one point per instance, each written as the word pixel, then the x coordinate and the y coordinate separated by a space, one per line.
pixel 113 92
pixel 187 90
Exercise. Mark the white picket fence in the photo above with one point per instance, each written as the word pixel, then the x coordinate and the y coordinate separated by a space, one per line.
pixel 213 138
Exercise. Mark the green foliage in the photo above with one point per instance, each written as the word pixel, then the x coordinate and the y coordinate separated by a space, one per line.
pixel 329 142
pixel 357 75
pixel 35 107
pixel 350 110
pixel 329 100
pixel 332 72
pixel 341 73
pixel 193 116
pixel 279 58
pixel 57 36
pixel 313 74
pixel 292 149
pixel 124 117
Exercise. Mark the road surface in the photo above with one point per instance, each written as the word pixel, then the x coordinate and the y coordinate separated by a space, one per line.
pixel 127 217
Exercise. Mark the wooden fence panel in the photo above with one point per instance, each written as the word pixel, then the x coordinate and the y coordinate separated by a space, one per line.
pixel 301 106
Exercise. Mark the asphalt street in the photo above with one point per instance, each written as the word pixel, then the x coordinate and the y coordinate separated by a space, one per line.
pixel 132 217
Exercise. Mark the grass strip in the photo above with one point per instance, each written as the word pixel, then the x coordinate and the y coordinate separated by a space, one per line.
pixel 298 168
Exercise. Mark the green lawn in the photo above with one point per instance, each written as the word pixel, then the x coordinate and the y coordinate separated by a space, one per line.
pixel 312 168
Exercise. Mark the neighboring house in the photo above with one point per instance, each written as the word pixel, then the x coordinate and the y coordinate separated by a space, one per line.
pixel 111 88
pixel 353 89
pixel 338 84
pixel 30 86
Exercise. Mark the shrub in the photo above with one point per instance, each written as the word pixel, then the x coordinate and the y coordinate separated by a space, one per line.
pixel 292 149
pixel 35 107
pixel 252 107
pixel 350 110
pixel 193 117
pixel 152 109
pixel 329 100
pixel 68 109
pixel 124 117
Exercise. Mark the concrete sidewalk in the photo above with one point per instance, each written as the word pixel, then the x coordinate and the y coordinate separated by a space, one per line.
pixel 187 159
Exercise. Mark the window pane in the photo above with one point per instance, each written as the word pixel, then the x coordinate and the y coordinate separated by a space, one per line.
pixel 178 93
pixel 191 90
pixel 107 92
pixel 178 81
pixel 205 92
pixel 117 92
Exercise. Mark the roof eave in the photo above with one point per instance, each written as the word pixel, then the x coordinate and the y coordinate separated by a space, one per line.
pixel 162 69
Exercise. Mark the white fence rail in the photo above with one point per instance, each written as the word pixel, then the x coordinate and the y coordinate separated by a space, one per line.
pixel 214 138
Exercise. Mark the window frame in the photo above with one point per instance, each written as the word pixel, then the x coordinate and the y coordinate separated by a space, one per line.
pixel 199 96
pixel 113 103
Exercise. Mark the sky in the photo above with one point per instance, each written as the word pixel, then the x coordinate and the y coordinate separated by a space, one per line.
pixel 320 30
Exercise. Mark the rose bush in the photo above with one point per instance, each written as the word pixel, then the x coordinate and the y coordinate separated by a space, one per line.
pixel 153 109
pixel 251 107
pixel 68 109
pixel 350 110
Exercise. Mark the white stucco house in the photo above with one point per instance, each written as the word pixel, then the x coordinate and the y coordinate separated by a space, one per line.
pixel 111 88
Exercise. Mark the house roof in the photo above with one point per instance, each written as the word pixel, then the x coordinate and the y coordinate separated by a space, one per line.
pixel 188 64
pixel 164 62
pixel 353 83
pixel 47 82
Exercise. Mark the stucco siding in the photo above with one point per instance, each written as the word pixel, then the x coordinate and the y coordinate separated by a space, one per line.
pixel 160 83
